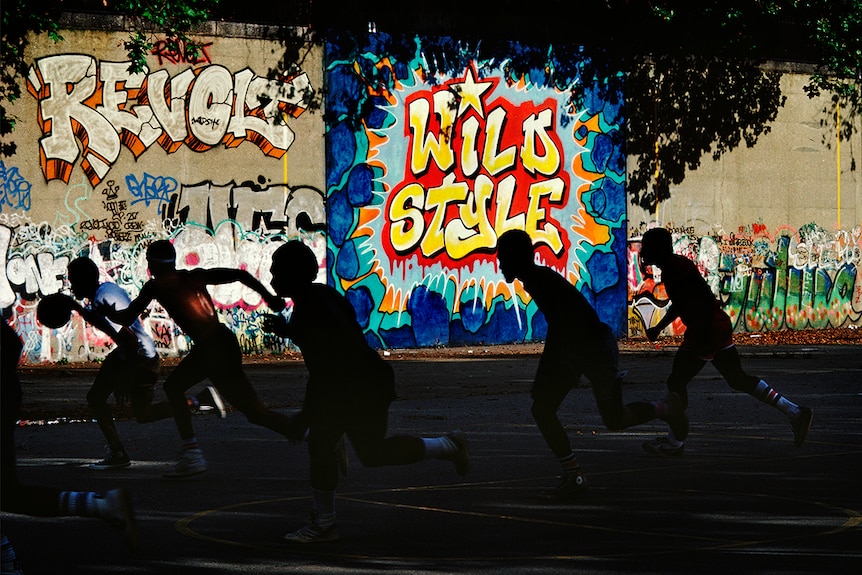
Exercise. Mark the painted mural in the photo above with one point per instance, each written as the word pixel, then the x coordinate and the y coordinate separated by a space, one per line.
pixel 436 167
pixel 401 186
pixel 808 278
pixel 200 152
pixel 103 107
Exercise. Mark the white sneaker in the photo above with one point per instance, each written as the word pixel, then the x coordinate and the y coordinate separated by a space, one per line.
pixel 661 446
pixel 117 510
pixel 312 532
pixel 190 462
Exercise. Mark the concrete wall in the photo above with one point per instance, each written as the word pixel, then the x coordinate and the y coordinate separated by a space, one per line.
pixel 401 193
pixel 764 227
pixel 208 153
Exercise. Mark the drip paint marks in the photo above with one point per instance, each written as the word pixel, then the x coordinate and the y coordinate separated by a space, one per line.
pixel 425 171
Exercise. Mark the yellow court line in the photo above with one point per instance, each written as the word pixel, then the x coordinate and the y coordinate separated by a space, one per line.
pixel 854 519
pixel 535 520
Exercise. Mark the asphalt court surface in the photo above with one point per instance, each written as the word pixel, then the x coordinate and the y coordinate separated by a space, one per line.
pixel 741 499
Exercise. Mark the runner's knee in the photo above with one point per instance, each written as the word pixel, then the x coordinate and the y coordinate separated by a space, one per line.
pixel 370 456
pixel 542 410
pixel 96 400
pixel 743 382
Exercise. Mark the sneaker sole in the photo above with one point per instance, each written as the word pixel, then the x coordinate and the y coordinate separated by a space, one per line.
pixel 290 541
pixel 652 450
pixel 462 461
pixel 100 467
pixel 328 538
pixel 799 439
pixel 183 475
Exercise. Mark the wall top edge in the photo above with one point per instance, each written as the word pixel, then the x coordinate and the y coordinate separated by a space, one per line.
pixel 119 23
pixel 226 29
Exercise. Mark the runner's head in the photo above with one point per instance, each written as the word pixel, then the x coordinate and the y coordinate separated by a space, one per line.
pixel 656 246
pixel 515 253
pixel 161 257
pixel 83 277
pixel 294 266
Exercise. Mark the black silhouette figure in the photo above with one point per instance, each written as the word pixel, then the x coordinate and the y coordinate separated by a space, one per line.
pixel 215 355
pixel 708 337
pixel 577 343
pixel 113 506
pixel 349 389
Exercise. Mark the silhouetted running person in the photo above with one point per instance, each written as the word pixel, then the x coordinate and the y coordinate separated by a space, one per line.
pixel 130 371
pixel 114 506
pixel 215 354
pixel 577 343
pixel 349 389
pixel 708 337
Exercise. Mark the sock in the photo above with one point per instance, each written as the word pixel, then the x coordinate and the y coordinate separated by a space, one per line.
pixel 324 507
pixel 765 393
pixel 673 441
pixel 80 503
pixel 439 447
pixel 661 408
pixel 8 559
pixel 325 520
pixel 324 501
pixel 190 443
pixel 569 463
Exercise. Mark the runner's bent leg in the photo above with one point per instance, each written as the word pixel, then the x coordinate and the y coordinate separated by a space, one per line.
pixel 110 375
pixel 144 375
pixel 551 385
pixel 728 363
pixel 231 381
pixel 366 426
pixel 686 365
pixel 193 368
pixel 606 382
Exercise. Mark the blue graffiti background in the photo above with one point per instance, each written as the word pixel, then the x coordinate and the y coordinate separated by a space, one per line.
pixel 442 306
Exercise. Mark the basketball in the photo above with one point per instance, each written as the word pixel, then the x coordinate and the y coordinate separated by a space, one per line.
pixel 54 310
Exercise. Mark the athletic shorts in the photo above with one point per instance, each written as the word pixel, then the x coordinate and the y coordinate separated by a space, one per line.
pixel 561 367
pixel 705 342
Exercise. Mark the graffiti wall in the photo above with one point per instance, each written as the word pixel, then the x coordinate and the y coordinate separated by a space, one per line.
pixel 436 167
pixel 774 228
pixel 808 278
pixel 401 184
pixel 215 152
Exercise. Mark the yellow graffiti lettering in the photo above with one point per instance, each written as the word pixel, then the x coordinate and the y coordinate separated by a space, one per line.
pixel 469 155
pixel 495 162
pixel 426 145
pixel 439 198
pixel 473 231
pixel 547 233
pixel 405 213
pixel 537 127
pixel 503 222
pixel 454 219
